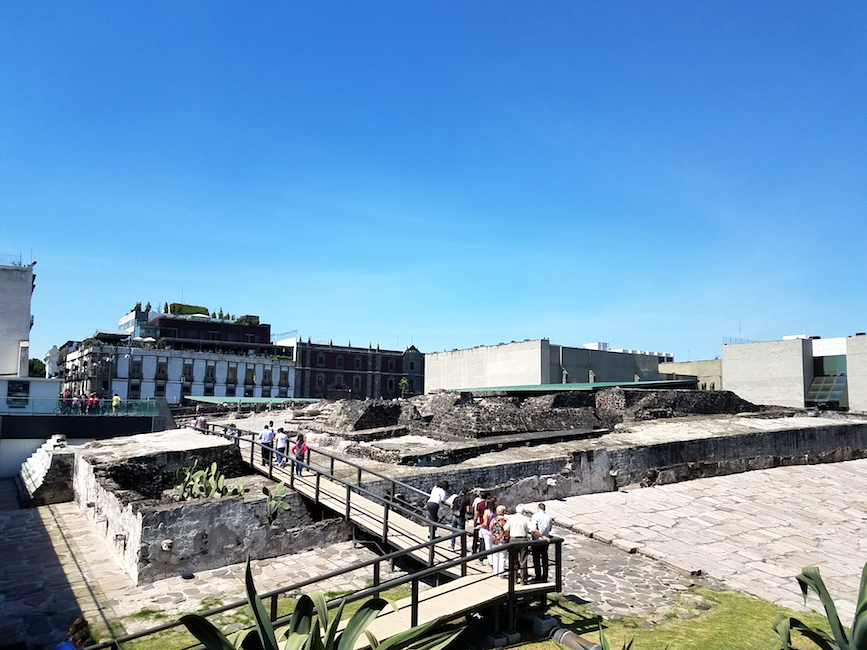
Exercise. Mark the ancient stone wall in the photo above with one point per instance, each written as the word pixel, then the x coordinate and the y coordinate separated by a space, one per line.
pixel 689 459
pixel 585 472
pixel 46 477
pixel 616 405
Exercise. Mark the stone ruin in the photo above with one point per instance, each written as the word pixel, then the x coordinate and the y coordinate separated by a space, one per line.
pixel 465 415
pixel 124 486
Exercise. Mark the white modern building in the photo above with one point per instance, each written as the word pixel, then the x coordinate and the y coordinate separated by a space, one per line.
pixel 16 287
pixel 799 371
pixel 538 362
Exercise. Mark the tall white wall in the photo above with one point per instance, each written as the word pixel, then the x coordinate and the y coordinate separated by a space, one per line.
pixel 775 373
pixel 508 364
pixel 856 372
pixel 16 286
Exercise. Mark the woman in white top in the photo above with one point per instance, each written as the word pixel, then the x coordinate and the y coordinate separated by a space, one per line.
pixel 437 496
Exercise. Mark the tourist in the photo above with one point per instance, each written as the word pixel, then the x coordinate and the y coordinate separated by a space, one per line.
pixel 201 422
pixel 460 511
pixel 488 516
pixel 299 450
pixel 75 401
pixel 115 404
pixel 478 510
pixel 282 443
pixel 435 500
pixel 517 530
pixel 540 528
pixel 266 437
pixel 77 636
pixel 499 537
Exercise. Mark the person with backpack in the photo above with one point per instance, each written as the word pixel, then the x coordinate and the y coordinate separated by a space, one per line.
pixel 460 510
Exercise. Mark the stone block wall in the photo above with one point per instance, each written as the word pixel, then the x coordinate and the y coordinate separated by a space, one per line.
pixel 616 405
pixel 46 477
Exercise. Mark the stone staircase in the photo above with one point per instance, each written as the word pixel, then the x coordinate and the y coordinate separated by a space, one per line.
pixel 46 477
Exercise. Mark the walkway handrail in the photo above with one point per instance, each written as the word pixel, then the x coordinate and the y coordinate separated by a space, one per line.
pixel 361 468
pixel 354 486
pixel 373 590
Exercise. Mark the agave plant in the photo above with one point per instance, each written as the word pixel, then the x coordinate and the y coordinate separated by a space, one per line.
pixel 308 632
pixel 810 579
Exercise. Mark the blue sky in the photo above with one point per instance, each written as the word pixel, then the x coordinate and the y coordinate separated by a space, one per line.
pixel 657 175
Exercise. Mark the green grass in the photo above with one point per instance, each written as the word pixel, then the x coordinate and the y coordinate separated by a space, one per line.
pixel 733 622
pixel 178 637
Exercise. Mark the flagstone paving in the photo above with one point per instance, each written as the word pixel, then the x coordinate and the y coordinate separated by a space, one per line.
pixel 625 553
pixel 754 532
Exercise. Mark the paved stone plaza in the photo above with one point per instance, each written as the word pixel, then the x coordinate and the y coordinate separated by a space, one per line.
pixel 754 532
pixel 750 532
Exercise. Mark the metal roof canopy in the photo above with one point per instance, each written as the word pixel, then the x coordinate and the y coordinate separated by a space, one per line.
pixel 587 387
pixel 249 400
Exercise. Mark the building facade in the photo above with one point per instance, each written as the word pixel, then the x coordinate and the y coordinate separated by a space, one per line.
pixel 799 371
pixel 331 371
pixel 180 356
pixel 537 362
pixel 17 282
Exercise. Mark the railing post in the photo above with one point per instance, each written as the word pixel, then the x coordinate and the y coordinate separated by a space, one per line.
pixel 385 510
pixel 359 477
pixel 413 614
pixel 274 607
pixel 348 495
pixel 464 555
pixel 376 578
pixel 513 572
pixel 292 475
pixel 316 493
pixel 432 546
pixel 332 466
pixel 252 450
pixel 270 462
pixel 558 563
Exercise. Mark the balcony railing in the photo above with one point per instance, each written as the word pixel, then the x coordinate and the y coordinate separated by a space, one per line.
pixel 59 406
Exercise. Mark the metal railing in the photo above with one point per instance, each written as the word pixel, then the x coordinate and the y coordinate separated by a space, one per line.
pixel 388 500
pixel 434 569
pixel 377 586
pixel 70 406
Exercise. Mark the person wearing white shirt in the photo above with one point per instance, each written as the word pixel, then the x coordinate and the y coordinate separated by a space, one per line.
pixel 436 498
pixel 518 529
pixel 266 438
pixel 282 442
pixel 540 528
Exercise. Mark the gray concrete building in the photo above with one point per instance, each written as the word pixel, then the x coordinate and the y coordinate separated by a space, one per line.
pixel 707 372
pixel 537 362
pixel 16 287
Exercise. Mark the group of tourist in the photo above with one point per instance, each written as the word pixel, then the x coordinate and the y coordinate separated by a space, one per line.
pixel 81 404
pixel 493 528
pixel 278 441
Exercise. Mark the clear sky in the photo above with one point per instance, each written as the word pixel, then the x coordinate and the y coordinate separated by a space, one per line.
pixel 657 175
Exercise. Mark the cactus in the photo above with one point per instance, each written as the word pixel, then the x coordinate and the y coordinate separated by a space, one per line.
pixel 203 483
pixel 274 503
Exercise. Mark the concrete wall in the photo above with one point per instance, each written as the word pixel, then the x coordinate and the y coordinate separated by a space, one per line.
pixel 532 363
pixel 770 372
pixel 606 366
pixel 16 287
pixel 709 372
pixel 856 367
pixel 507 364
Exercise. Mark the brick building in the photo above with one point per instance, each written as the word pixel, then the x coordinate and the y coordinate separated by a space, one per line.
pixel 342 371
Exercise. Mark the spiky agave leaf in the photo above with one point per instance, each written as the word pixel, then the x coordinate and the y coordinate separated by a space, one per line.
pixel 363 617
pixel 263 621
pixel 810 578
pixel 206 632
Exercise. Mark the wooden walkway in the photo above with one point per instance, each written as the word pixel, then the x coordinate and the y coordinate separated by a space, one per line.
pixel 471 587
